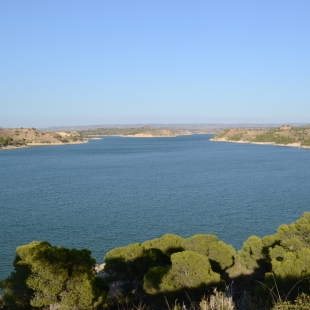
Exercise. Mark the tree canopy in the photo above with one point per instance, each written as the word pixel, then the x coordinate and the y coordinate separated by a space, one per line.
pixel 51 276
pixel 220 254
pixel 59 278
pixel 188 270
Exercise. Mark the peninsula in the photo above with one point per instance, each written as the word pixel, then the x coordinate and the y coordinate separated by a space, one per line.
pixel 140 132
pixel 25 137
pixel 284 136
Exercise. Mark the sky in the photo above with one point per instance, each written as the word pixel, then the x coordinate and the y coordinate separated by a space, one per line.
pixel 65 63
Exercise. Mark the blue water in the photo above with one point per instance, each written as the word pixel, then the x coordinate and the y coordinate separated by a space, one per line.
pixel 115 191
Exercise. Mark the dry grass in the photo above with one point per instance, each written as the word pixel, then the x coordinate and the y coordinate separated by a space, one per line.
pixel 32 135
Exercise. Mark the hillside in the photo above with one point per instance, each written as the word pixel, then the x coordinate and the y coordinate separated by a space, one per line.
pixel 145 131
pixel 284 135
pixel 23 137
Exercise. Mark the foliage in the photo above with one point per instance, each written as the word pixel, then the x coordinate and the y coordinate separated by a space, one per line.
pixel 169 266
pixel 254 253
pixel 50 276
pixel 282 135
pixel 236 137
pixel 218 300
pixel 167 244
pixel 124 263
pixel 301 302
pixel 16 293
pixel 290 258
pixel 188 270
pixel 129 264
pixel 221 134
pixel 272 137
pixel 221 255
pixel 10 141
pixel 305 141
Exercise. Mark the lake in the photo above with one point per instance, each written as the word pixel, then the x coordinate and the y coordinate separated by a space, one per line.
pixel 116 191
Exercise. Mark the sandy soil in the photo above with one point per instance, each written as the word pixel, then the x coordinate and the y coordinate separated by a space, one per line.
pixel 54 143
pixel 262 143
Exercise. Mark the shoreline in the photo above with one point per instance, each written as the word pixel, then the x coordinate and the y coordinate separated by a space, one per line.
pixel 33 144
pixel 296 144
pixel 55 143
pixel 139 136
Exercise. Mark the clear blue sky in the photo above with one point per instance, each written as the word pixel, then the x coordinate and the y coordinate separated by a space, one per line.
pixel 95 62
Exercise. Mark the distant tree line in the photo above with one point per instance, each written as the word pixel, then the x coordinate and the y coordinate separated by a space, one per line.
pixel 128 131
pixel 273 269
pixel 10 141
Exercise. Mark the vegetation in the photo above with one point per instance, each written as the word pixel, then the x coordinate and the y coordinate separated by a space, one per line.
pixel 283 135
pixel 10 141
pixel 272 136
pixel 168 272
pixel 53 277
pixel 27 136
pixel 146 130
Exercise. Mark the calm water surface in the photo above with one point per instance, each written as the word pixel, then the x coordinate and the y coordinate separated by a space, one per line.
pixel 116 191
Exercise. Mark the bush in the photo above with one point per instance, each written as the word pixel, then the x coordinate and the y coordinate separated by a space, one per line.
pixel 50 276
pixel 221 255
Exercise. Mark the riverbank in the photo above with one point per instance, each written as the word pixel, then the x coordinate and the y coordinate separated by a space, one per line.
pixel 12 147
pixel 280 136
pixel 296 144
pixel 15 138
pixel 55 143
pixel 140 135
pixel 137 132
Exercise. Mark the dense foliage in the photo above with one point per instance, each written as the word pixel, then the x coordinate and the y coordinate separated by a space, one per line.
pixel 272 272
pixel 53 277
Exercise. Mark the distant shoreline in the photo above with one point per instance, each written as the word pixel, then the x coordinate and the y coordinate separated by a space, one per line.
pixel 298 145
pixel 12 147
pixel 56 143
pixel 142 136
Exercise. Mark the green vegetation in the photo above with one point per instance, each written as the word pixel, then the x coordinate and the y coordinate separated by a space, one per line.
pixel 273 137
pixel 53 277
pixel 10 141
pixel 283 135
pixel 235 137
pixel 18 137
pixel 133 131
pixel 168 272
pixel 188 270
pixel 220 254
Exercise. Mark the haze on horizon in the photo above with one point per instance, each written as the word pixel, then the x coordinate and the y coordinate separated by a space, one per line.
pixel 82 63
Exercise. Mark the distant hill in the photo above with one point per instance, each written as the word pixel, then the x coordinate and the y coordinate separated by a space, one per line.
pixel 284 135
pixel 23 137
pixel 209 127
pixel 145 131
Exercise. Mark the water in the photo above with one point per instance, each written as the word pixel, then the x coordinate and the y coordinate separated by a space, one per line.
pixel 117 191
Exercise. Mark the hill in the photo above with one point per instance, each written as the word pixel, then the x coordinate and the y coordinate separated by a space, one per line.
pixel 145 131
pixel 24 137
pixel 285 135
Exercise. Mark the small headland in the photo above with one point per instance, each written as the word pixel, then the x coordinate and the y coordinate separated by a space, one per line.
pixel 12 138
pixel 282 136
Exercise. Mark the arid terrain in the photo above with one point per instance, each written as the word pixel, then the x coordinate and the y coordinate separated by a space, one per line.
pixel 24 137
pixel 145 131
pixel 284 135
